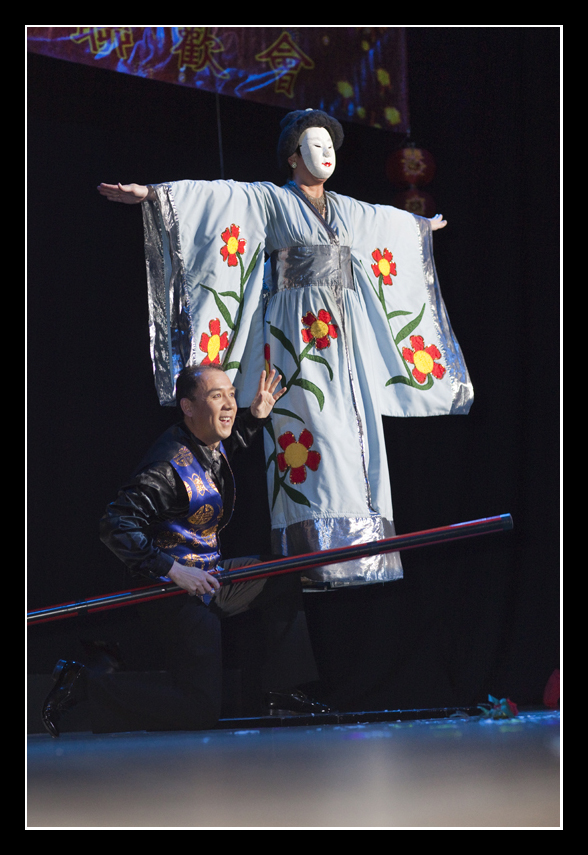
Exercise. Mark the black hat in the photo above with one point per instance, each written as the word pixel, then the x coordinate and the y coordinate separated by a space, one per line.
pixel 293 126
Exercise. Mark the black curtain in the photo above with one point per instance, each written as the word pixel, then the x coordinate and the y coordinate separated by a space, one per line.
pixel 469 618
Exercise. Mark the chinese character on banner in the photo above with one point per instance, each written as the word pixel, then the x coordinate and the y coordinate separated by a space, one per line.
pixel 196 50
pixel 357 74
pixel 105 39
pixel 286 59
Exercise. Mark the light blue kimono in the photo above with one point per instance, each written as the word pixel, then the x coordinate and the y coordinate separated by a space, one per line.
pixel 349 312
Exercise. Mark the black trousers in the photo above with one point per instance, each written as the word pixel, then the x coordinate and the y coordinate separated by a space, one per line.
pixel 190 695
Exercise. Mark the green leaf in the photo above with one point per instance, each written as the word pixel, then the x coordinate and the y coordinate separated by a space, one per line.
pixel 399 379
pixel 322 360
pixel 232 294
pixel 221 307
pixel 310 387
pixel 282 412
pixel 397 313
pixel 406 330
pixel 232 365
pixel 424 386
pixel 280 374
pixel 295 495
pixel 410 382
pixel 287 344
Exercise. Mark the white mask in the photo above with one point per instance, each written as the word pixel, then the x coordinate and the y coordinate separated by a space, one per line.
pixel 318 154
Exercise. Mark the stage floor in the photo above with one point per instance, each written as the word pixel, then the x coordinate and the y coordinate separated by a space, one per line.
pixel 458 772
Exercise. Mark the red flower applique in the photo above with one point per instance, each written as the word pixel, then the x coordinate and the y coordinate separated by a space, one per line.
pixel 232 245
pixel 384 265
pixel 319 329
pixel 423 358
pixel 297 455
pixel 212 344
pixel 266 357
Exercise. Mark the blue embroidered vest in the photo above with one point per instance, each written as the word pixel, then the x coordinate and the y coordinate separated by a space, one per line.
pixel 193 540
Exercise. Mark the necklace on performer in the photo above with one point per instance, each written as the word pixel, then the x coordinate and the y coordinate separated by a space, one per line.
pixel 320 204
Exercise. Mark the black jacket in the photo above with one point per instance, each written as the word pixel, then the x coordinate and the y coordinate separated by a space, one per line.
pixel 156 493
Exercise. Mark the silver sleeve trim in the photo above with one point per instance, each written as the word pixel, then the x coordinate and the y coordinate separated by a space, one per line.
pixel 170 329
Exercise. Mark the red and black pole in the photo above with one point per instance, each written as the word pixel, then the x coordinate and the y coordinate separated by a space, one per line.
pixel 291 564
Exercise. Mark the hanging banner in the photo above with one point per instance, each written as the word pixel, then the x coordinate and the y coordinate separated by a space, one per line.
pixel 356 74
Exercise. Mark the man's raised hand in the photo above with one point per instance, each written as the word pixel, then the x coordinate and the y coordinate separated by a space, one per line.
pixel 266 396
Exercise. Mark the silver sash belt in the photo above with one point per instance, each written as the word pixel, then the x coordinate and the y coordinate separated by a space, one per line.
pixel 301 266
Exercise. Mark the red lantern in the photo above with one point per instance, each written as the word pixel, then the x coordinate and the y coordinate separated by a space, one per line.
pixel 410 167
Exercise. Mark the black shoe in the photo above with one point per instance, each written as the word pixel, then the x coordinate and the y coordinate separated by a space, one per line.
pixel 293 703
pixel 68 690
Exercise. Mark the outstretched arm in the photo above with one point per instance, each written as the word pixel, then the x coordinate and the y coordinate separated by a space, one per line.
pixel 128 194
pixel 437 222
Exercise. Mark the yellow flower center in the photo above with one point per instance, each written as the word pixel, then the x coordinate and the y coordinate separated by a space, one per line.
pixel 423 361
pixel 232 245
pixel 213 347
pixel 384 266
pixel 319 329
pixel 296 455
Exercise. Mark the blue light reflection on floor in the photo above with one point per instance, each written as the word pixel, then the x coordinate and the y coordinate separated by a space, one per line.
pixel 458 773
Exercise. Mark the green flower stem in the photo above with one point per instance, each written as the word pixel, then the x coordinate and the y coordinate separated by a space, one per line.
pixel 379 292
pixel 280 481
pixel 301 356
pixel 382 301
pixel 238 315
pixel 245 274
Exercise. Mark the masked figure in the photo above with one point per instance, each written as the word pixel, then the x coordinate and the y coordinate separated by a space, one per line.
pixel 340 297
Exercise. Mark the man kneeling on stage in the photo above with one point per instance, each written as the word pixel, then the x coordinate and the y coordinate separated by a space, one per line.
pixel 164 524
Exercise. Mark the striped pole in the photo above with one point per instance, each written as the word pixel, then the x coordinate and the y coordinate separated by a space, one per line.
pixel 275 567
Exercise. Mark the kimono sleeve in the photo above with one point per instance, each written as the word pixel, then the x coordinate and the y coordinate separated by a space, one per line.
pixel 204 252
pixel 419 366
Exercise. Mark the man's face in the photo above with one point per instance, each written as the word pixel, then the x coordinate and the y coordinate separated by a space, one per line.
pixel 318 154
pixel 211 414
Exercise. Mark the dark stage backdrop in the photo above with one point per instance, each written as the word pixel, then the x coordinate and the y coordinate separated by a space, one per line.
pixel 469 618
